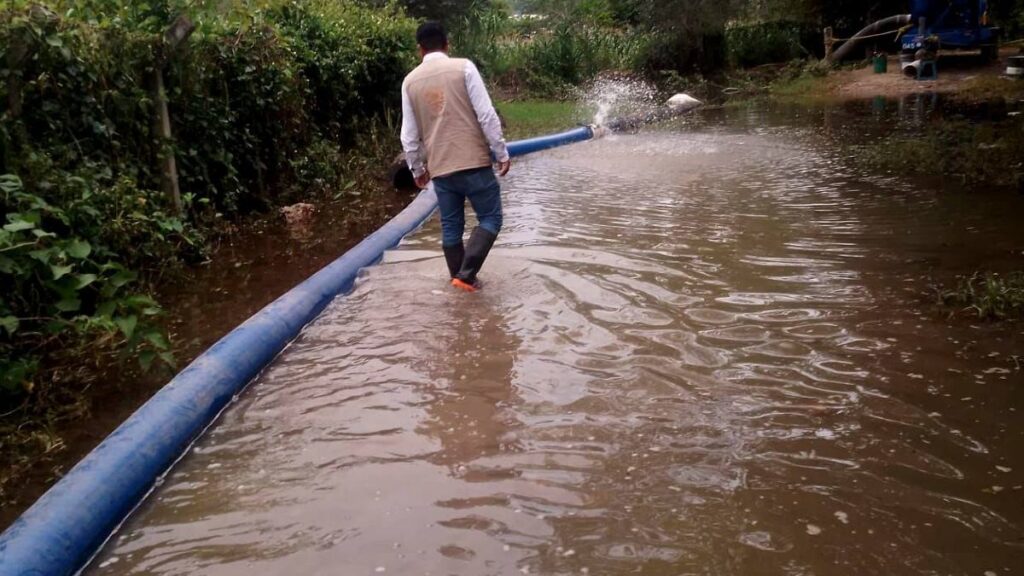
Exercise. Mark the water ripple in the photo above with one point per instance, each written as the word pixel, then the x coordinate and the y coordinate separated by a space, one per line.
pixel 687 359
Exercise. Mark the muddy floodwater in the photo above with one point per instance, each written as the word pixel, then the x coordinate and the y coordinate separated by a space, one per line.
pixel 706 348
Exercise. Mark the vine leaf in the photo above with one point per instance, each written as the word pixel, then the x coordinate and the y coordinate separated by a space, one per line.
pixel 122 277
pixel 146 358
pixel 83 280
pixel 69 305
pixel 60 271
pixel 127 325
pixel 79 249
pixel 158 340
pixel 9 323
pixel 19 225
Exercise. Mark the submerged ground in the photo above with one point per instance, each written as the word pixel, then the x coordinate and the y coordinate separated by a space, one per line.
pixel 704 349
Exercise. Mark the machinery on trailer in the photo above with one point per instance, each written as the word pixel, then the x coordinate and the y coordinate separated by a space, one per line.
pixel 951 24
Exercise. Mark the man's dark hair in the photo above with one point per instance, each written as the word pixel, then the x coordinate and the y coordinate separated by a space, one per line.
pixel 431 36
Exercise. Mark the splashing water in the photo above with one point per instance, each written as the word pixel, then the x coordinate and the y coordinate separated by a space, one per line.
pixel 613 97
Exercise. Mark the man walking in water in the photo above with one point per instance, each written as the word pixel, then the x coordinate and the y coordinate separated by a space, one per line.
pixel 449 130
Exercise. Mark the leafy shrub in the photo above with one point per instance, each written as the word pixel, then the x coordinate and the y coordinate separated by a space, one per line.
pixel 62 279
pixel 353 60
pixel 770 42
pixel 685 53
pixel 549 61
pixel 489 39
pixel 264 98
pixel 574 53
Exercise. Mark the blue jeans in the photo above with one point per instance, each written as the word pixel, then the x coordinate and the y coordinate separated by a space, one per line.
pixel 481 188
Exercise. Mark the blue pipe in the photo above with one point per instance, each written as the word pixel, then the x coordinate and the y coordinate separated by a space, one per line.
pixel 68 524
pixel 544 142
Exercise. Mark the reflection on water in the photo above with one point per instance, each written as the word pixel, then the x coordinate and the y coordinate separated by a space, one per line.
pixel 699 351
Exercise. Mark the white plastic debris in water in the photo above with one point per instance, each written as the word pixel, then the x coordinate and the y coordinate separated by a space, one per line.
pixel 842 517
pixel 813 530
pixel 683 101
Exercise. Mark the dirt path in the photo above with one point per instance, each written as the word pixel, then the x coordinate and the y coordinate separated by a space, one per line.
pixel 957 74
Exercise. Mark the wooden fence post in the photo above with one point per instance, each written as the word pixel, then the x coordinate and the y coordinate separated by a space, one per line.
pixel 173 38
pixel 16 53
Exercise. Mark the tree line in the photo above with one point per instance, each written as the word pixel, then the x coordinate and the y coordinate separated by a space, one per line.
pixel 694 35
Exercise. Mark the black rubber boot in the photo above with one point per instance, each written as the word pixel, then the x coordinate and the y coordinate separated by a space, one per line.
pixel 454 255
pixel 480 242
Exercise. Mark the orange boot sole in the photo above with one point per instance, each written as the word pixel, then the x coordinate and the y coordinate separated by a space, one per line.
pixel 463 286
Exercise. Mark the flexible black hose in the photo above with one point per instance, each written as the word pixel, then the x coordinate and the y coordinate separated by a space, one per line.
pixel 873 28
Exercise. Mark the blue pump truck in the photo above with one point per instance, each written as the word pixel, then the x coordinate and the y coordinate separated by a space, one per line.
pixel 951 24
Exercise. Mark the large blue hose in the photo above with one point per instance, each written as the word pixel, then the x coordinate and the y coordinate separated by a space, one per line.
pixel 544 142
pixel 65 527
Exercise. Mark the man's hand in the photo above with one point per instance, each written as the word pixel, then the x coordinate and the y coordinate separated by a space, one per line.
pixel 504 166
pixel 422 180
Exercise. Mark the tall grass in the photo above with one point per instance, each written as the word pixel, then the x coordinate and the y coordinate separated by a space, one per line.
pixel 991 296
pixel 547 60
pixel 576 53
pixel 528 118
pixel 490 40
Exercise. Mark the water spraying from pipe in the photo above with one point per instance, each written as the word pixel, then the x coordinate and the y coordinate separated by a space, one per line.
pixel 613 97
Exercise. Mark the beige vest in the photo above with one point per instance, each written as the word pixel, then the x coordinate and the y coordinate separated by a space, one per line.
pixel 445 117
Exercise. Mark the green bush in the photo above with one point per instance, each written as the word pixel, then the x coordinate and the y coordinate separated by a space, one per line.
pixel 264 98
pixel 574 53
pixel 550 60
pixel 65 276
pixel 491 40
pixel 684 53
pixel 769 42
pixel 353 60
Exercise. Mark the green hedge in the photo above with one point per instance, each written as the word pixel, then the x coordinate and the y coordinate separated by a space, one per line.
pixel 548 58
pixel 262 99
pixel 771 42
